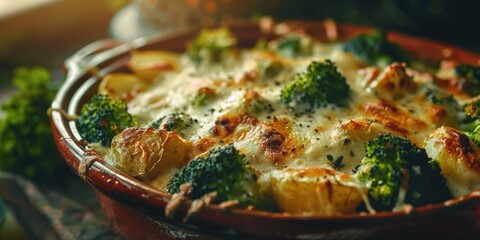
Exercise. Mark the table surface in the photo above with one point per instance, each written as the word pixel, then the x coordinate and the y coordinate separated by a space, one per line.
pixel 29 38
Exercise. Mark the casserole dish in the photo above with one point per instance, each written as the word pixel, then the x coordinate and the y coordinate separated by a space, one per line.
pixel 137 210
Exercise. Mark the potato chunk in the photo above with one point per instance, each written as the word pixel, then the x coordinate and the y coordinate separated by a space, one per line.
pixel 392 83
pixel 147 153
pixel 121 86
pixel 315 191
pixel 457 157
pixel 148 64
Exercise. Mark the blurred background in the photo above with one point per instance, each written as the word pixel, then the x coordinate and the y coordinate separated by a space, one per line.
pixel 45 32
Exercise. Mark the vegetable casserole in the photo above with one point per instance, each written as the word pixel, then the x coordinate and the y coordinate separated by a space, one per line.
pixel 292 125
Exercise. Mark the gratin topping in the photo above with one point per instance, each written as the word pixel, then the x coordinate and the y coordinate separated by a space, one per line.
pixel 299 112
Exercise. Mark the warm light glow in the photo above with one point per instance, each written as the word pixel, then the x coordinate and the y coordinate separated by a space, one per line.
pixel 11 7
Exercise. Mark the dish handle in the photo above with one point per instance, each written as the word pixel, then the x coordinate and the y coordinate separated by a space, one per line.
pixel 82 58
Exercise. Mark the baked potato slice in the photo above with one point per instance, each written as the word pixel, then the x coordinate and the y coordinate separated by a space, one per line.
pixel 121 86
pixel 457 157
pixel 392 83
pixel 148 64
pixel 316 190
pixel 147 153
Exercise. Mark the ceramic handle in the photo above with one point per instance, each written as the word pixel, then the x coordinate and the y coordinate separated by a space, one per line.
pixel 83 57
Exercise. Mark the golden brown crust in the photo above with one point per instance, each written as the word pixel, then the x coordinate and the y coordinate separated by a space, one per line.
pixel 278 143
pixel 392 83
pixel 204 144
pixel 272 144
pixel 226 125
pixel 458 143
pixel 353 125
pixel 397 71
pixel 437 114
pixel 394 118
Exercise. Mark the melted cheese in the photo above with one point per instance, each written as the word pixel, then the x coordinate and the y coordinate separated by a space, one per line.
pixel 273 137
pixel 311 137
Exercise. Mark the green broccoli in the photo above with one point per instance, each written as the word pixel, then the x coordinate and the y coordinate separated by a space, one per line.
pixel 291 44
pixel 101 118
pixel 471 75
pixel 472 109
pixel 471 126
pixel 318 86
pixel 174 122
pixel 398 172
pixel 440 97
pixel 211 45
pixel 27 145
pixel 272 68
pixel 375 48
pixel 261 44
pixel 203 96
pixel 294 46
pixel 474 135
pixel 468 71
pixel 445 100
pixel 223 171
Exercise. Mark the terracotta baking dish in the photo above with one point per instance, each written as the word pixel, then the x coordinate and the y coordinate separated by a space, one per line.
pixel 136 210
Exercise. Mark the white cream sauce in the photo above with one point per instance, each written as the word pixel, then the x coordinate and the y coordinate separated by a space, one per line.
pixel 322 132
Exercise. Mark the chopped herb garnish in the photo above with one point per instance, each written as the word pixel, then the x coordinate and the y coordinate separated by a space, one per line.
pixel 336 163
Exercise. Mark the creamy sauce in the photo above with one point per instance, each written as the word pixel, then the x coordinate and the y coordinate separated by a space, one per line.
pixel 244 108
pixel 333 130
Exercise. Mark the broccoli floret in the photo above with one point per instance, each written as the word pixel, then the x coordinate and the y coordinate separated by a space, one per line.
pixel 471 75
pixel 471 126
pixel 27 147
pixel 472 110
pixel 291 44
pixel 272 69
pixel 441 98
pixel 261 44
pixel 294 46
pixel 174 122
pixel 318 86
pixel 203 96
pixel 474 135
pixel 211 45
pixel 469 71
pixel 445 100
pixel 101 118
pixel 398 172
pixel 376 49
pixel 223 171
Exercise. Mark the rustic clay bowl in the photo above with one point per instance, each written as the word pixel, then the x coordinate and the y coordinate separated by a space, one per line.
pixel 136 210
